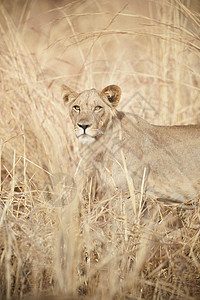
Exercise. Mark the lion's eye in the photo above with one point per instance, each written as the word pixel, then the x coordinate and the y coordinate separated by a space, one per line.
pixel 98 108
pixel 76 108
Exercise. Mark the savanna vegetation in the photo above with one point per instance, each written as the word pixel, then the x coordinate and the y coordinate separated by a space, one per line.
pixel 53 241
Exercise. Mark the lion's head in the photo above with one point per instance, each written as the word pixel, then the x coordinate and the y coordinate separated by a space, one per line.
pixel 91 111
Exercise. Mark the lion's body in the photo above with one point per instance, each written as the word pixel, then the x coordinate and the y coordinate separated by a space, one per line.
pixel 163 160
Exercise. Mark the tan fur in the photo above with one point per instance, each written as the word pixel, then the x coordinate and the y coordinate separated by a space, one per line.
pixel 119 147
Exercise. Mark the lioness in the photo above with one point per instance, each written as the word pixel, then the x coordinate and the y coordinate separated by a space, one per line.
pixel 124 148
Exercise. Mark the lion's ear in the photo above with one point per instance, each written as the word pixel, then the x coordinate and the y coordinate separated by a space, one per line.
pixel 113 93
pixel 68 93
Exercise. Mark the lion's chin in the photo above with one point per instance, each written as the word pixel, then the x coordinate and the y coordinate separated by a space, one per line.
pixel 86 139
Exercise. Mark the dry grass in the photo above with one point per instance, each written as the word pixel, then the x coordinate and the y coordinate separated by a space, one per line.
pixel 50 242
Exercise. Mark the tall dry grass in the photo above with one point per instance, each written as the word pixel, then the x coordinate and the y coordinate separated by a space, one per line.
pixel 53 243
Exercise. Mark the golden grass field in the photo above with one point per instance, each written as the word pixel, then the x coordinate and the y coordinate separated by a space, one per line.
pixel 56 245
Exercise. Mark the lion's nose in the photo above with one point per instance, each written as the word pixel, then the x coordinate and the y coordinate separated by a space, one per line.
pixel 84 126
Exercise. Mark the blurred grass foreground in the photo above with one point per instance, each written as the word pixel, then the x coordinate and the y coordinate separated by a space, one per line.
pixel 56 245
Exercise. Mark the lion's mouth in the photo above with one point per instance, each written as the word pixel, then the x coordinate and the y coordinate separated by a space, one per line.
pixel 86 139
pixel 85 136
